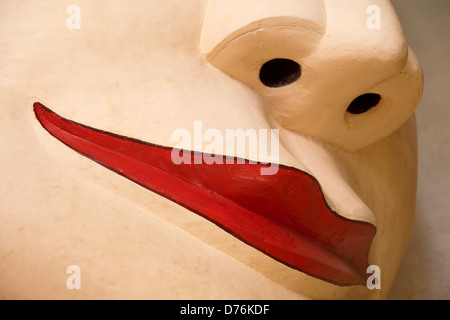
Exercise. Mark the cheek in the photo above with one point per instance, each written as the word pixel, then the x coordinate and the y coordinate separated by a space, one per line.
pixel 384 175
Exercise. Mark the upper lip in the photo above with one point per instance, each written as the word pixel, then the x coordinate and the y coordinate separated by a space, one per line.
pixel 285 215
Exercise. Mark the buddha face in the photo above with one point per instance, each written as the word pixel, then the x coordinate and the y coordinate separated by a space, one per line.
pixel 278 139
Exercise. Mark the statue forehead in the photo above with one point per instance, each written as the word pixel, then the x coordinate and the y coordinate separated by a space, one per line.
pixel 185 23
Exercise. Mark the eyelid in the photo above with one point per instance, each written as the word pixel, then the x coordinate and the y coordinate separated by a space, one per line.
pixel 226 20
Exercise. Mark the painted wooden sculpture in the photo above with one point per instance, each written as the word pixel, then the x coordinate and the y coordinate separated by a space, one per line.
pixel 151 92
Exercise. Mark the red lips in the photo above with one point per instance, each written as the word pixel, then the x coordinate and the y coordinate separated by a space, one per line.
pixel 283 215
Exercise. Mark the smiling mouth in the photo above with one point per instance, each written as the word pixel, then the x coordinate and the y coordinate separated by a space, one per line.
pixel 284 216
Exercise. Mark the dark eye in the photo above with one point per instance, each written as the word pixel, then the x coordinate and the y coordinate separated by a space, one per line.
pixel 279 73
pixel 364 103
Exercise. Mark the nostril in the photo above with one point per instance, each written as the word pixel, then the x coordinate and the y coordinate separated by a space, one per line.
pixel 278 73
pixel 364 103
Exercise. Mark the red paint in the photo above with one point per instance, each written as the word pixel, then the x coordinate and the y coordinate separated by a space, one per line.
pixel 283 215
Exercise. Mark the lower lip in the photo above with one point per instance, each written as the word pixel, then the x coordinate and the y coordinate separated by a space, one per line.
pixel 284 216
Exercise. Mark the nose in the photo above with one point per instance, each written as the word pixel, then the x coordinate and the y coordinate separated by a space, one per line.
pixel 327 74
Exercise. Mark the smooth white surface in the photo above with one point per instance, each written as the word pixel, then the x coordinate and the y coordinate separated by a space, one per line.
pixel 424 272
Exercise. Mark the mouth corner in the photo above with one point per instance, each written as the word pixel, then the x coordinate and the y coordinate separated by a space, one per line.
pixel 39 107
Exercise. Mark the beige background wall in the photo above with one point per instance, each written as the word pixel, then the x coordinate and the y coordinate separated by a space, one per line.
pixel 424 272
